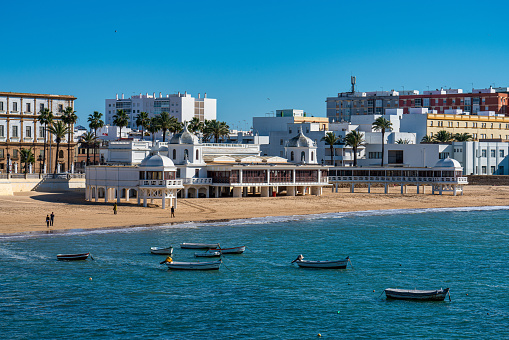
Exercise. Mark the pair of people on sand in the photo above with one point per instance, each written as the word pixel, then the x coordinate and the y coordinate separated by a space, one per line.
pixel 50 219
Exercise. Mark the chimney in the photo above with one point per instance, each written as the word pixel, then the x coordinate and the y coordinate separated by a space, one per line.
pixel 199 95
pixel 179 93
pixel 122 96
pixel 160 95
pixel 117 96
pixel 185 94
pixel 147 94
pixel 154 94
pixel 140 94
pixel 205 95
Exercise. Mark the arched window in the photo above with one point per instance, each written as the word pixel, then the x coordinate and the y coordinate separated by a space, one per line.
pixel 197 155
pixel 186 154
pixel 291 156
pixel 61 154
pixel 302 156
pixel 312 156
pixel 174 154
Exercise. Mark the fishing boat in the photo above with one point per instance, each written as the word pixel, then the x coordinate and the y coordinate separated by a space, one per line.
pixel 72 257
pixel 337 264
pixel 209 253
pixel 214 265
pixel 233 250
pixel 198 245
pixel 161 251
pixel 420 295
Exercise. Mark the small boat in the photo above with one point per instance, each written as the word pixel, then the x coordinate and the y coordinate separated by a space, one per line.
pixel 161 251
pixel 198 245
pixel 337 264
pixel 233 250
pixel 420 295
pixel 209 253
pixel 214 265
pixel 72 257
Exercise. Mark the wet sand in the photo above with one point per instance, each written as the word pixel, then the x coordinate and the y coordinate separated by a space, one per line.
pixel 26 212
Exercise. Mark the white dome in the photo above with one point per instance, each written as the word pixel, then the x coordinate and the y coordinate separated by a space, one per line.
pixel 185 137
pixel 300 141
pixel 448 163
pixel 155 161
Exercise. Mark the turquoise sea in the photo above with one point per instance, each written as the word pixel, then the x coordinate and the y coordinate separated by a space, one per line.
pixel 125 293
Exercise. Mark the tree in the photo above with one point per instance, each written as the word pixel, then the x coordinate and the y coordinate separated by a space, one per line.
pixel 153 127
pixel 427 139
pixel 463 137
pixel 354 139
pixel 330 139
pixel 121 119
pixel 168 123
pixel 95 122
pixel 46 118
pixel 402 141
pixel 88 140
pixel 59 129
pixel 217 129
pixel 195 125
pixel 69 117
pixel 382 124
pixel 142 120
pixel 443 136
pixel 26 157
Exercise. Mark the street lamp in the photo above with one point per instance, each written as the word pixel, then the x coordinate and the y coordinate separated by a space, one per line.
pixel 40 163
pixel 8 163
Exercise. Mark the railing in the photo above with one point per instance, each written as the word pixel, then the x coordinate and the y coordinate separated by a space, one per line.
pixel 398 179
pixel 197 180
pixel 161 182
pixel 228 145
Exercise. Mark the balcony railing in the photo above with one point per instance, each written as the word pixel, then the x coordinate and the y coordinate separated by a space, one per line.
pixel 397 179
pixel 197 180
pixel 161 183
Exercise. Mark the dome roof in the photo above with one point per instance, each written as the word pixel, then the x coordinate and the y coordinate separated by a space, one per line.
pixel 300 141
pixel 154 161
pixel 448 163
pixel 184 137
pixel 163 149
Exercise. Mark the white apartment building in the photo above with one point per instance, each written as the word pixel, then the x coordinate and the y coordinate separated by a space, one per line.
pixel 182 106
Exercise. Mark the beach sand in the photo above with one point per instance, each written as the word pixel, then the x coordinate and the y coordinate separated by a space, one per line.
pixel 26 212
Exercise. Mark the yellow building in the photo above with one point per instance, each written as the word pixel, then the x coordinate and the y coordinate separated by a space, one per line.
pixel 480 127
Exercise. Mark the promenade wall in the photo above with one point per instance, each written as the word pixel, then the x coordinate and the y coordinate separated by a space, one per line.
pixel 488 180
pixel 13 185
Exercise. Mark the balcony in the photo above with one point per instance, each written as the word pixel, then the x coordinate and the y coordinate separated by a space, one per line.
pixel 190 181
pixel 398 179
pixel 161 183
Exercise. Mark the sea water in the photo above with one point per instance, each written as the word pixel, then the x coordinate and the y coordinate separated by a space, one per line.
pixel 125 293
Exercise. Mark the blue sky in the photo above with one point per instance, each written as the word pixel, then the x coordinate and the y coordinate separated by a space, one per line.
pixel 253 56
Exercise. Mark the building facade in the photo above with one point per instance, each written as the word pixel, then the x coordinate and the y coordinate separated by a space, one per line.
pixel 19 129
pixel 182 106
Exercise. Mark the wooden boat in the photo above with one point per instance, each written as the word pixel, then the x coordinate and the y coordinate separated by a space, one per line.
pixel 214 265
pixel 420 295
pixel 72 257
pixel 198 245
pixel 233 250
pixel 161 251
pixel 337 264
pixel 209 253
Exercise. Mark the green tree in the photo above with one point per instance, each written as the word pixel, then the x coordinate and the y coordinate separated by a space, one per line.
pixel 142 120
pixel 95 122
pixel 330 139
pixel 46 118
pixel 427 139
pixel 88 140
pixel 463 137
pixel 217 129
pixel 195 125
pixel 382 124
pixel 26 157
pixel 168 123
pixel 153 127
pixel 354 139
pixel 58 129
pixel 443 136
pixel 121 119
pixel 402 141
pixel 69 117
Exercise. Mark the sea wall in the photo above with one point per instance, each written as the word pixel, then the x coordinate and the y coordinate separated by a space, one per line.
pixel 488 180
pixel 12 185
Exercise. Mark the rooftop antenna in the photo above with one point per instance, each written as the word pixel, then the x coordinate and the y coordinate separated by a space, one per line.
pixel 352 80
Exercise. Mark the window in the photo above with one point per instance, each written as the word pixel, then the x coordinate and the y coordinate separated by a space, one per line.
pixel 14 131
pixel 425 102
pixel 431 123
pixel 61 154
pixel 501 153
pixel 375 155
pixel 197 155
pixel 492 153
pixel 1 106
pixel 290 131
pixel 186 154
pixel 28 107
pixel 492 170
pixel 14 153
pixel 291 156
pixel 501 170
pixel 41 107
pixel 174 154
pixel 178 173
pixel 281 142
pixel 418 101
pixel 370 102
pixel 1 153
pixel 312 157
pixel 453 101
pixel 483 153
pixel 443 155
pixel 28 132
pixel 370 110
pixel 196 173
pixel 15 107
pixel 395 156
pixel 41 131
pixel 302 156
pixel 378 103
pixel 2 133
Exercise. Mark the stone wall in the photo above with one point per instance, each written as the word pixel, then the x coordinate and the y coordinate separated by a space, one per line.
pixel 12 185
pixel 488 180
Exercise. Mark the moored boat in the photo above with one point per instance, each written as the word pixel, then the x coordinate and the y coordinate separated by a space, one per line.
pixel 420 295
pixel 161 251
pixel 213 265
pixel 198 245
pixel 72 257
pixel 336 264
pixel 233 250
pixel 209 253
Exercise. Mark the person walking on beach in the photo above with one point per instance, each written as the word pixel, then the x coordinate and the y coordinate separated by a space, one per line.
pixel 172 212
pixel 47 220
pixel 52 217
pixel 115 208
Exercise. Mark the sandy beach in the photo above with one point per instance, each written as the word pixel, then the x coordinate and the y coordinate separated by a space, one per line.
pixel 26 212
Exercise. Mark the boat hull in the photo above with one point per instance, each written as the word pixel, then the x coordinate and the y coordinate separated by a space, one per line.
pixel 72 257
pixel 234 250
pixel 208 254
pixel 194 265
pixel 198 245
pixel 340 264
pixel 417 295
pixel 161 251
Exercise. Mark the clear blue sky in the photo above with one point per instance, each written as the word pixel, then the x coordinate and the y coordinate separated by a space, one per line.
pixel 253 56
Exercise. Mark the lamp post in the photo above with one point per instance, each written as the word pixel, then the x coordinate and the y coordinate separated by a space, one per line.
pixel 40 164
pixel 8 163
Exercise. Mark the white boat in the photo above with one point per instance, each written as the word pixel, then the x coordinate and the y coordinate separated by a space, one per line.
pixel 198 245
pixel 336 264
pixel 233 250
pixel 208 253
pixel 421 295
pixel 214 265
pixel 161 251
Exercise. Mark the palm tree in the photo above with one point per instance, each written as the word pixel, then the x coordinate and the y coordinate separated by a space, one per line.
pixel 330 139
pixel 217 129
pixel 463 137
pixel 443 136
pixel 88 140
pixel 153 127
pixel 69 117
pixel 45 117
pixel 121 119
pixel 95 122
pixel 142 120
pixel 382 124
pixel 167 123
pixel 59 129
pixel 27 157
pixel 427 139
pixel 195 125
pixel 354 139
pixel 402 141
